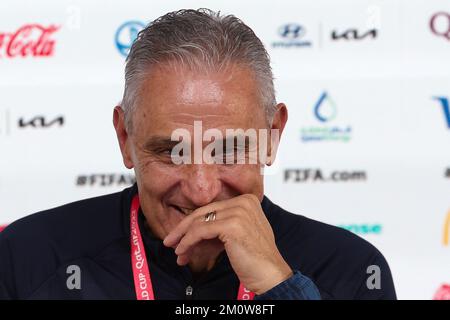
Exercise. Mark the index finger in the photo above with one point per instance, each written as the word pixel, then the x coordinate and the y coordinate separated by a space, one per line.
pixel 180 230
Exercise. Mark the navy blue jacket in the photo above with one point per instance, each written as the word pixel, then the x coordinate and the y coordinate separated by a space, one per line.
pixel 93 234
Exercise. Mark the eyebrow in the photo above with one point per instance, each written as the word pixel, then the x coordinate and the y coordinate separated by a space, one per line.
pixel 233 140
pixel 159 143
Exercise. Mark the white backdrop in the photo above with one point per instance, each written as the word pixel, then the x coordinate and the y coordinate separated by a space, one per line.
pixel 381 85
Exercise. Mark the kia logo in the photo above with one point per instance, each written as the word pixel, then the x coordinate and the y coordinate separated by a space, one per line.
pixel 41 122
pixel 353 34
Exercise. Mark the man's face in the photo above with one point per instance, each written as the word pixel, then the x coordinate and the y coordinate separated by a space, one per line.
pixel 172 99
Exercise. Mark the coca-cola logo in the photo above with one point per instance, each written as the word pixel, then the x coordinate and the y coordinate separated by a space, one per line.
pixel 443 293
pixel 29 40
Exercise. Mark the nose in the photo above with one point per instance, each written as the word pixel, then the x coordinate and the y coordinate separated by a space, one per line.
pixel 201 183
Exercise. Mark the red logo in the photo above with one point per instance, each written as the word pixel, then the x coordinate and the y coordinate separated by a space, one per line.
pixel 29 40
pixel 2 227
pixel 443 293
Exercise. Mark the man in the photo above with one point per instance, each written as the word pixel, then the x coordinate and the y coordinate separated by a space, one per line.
pixel 190 229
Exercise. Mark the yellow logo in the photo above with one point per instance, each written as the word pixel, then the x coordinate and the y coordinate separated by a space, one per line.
pixel 445 238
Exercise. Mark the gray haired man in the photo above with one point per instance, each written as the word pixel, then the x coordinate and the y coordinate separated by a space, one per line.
pixel 191 230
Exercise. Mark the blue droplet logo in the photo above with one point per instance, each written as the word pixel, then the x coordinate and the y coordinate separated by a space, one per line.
pixel 325 109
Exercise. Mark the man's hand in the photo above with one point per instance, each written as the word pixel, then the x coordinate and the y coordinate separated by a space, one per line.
pixel 246 235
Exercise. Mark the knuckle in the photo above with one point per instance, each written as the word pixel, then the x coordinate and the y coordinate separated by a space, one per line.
pixel 235 224
pixel 198 222
pixel 240 211
pixel 249 201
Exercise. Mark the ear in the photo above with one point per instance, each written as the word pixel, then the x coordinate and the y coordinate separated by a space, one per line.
pixel 122 136
pixel 278 123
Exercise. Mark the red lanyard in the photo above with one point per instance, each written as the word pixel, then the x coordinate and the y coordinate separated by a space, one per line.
pixel 142 281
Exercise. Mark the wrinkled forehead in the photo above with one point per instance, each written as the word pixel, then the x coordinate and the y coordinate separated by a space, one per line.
pixel 171 98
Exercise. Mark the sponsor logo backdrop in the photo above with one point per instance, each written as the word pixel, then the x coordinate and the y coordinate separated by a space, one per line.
pixel 367 84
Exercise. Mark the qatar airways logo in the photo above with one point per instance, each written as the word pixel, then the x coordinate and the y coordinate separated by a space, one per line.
pixel 30 40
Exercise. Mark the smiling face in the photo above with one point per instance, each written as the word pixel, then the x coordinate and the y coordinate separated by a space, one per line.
pixel 173 99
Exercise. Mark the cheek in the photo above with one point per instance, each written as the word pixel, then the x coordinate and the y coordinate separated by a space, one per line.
pixel 156 177
pixel 244 178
